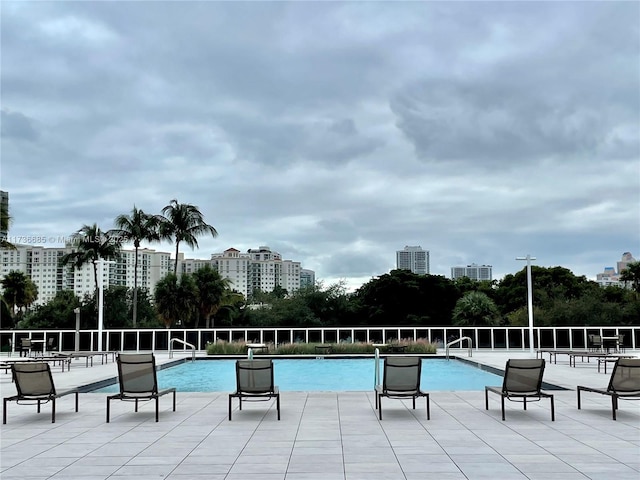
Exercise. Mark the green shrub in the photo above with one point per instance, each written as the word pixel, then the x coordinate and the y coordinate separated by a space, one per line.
pixel 343 348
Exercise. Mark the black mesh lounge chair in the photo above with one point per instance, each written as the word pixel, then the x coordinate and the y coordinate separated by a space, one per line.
pixel 595 343
pixel 25 346
pixel 401 379
pixel 522 383
pixel 138 381
pixel 624 383
pixel 254 380
pixel 34 384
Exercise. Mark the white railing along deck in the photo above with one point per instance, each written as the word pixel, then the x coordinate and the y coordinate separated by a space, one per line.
pixel 482 338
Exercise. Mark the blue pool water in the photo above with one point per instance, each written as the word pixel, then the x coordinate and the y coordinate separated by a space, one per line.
pixel 331 375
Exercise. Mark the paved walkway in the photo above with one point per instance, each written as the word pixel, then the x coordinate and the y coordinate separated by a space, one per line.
pixel 325 435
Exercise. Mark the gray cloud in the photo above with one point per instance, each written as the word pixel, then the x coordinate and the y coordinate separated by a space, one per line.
pixel 333 132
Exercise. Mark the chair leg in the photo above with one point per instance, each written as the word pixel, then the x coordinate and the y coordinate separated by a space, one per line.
pixel 230 398
pixel 414 402
pixel 502 401
pixel 53 410
pixel 4 411
pixel 108 405
pixel 553 410
pixel 579 398
pixel 157 406
pixel 278 405
pixel 136 409
pixel 524 403
pixel 174 401
pixel 428 408
pixel 380 406
pixel 614 406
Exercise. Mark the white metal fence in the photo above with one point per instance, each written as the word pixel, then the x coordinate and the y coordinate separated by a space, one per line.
pixel 492 338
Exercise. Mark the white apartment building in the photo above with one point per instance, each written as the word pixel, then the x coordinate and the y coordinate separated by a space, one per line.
pixel 42 265
pixel 473 272
pixel 257 269
pixel 267 270
pixel 234 266
pixel 413 258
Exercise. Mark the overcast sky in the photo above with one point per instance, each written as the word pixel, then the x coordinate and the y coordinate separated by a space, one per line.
pixel 334 133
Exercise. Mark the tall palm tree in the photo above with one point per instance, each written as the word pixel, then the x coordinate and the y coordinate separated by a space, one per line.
pixel 5 223
pixel 184 223
pixel 137 227
pixel 91 244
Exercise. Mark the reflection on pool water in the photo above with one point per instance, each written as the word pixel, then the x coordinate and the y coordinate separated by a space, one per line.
pixel 331 375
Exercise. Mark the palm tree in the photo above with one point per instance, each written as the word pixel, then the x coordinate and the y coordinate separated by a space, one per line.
pixel 137 227
pixel 19 291
pixel 184 223
pixel 176 299
pixel 5 222
pixel 211 290
pixel 91 244
pixel 475 308
pixel 631 274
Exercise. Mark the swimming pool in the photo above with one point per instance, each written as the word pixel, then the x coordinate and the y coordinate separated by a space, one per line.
pixel 331 375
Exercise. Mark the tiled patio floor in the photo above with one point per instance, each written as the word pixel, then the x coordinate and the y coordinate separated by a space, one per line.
pixel 325 435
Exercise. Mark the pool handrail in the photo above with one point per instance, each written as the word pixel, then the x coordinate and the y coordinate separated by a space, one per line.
pixel 460 341
pixel 190 345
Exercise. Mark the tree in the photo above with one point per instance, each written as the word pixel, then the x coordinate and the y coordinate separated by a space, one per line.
pixel 184 222
pixel 475 309
pixel 631 274
pixel 137 227
pixel 91 244
pixel 19 290
pixel 211 290
pixel 57 313
pixel 5 222
pixel 176 299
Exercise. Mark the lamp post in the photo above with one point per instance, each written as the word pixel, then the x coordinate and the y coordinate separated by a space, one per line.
pixel 100 262
pixel 528 258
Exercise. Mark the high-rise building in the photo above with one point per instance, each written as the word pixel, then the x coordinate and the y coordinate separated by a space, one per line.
pixel 473 272
pixel 257 269
pixel 307 277
pixel 626 259
pixel 4 204
pixel 268 270
pixel 42 265
pixel 234 266
pixel 611 277
pixel 413 258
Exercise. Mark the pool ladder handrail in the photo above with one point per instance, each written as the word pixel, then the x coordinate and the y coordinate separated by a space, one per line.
pixel 190 345
pixel 460 341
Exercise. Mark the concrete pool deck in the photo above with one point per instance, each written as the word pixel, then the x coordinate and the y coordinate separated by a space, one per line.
pixel 325 435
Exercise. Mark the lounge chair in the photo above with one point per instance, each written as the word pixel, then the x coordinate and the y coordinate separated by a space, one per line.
pixel 25 346
pixel 138 381
pixel 522 382
pixel 624 383
pixel 401 379
pixel 254 380
pixel 595 343
pixel 34 384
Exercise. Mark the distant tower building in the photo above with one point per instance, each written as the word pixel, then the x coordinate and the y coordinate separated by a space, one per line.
pixel 234 266
pixel 473 272
pixel 307 277
pixel 627 258
pixel 413 258
pixel 4 202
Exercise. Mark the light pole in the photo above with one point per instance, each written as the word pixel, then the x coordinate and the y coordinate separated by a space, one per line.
pixel 100 262
pixel 528 258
